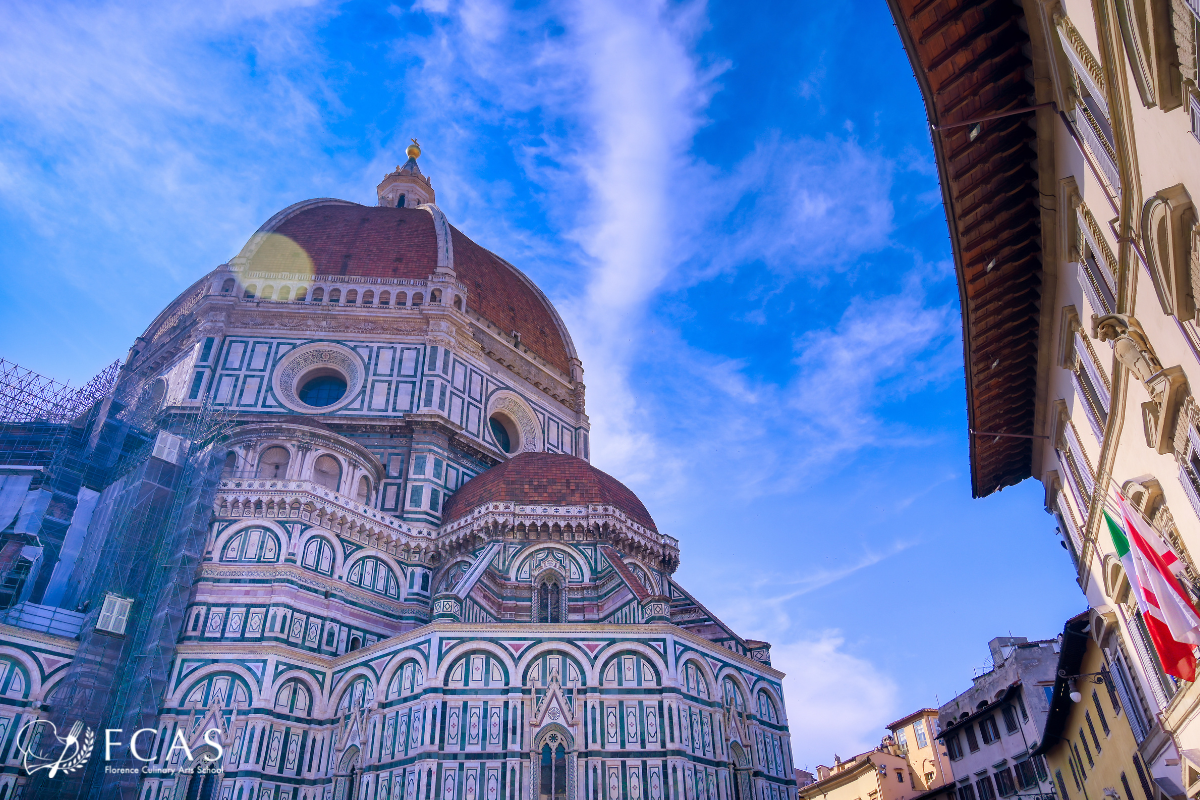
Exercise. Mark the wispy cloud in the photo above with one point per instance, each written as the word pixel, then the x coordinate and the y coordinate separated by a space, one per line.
pixel 759 604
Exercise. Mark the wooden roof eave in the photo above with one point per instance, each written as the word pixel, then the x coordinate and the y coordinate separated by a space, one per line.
pixel 1016 339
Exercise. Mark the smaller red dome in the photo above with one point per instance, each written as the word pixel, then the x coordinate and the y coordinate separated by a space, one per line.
pixel 550 479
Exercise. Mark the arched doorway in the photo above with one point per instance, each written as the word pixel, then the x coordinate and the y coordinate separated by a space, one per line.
pixel 741 773
pixel 205 777
pixel 556 764
pixel 345 783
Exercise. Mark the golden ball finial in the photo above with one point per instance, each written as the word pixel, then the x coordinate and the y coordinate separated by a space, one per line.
pixel 413 150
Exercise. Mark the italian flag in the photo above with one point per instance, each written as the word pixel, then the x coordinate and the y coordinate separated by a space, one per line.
pixel 1166 609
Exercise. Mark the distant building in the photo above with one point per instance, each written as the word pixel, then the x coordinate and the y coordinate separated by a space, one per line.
pixel 915 736
pixel 804 777
pixel 991 730
pixel 907 764
pixel 1088 742
pixel 879 774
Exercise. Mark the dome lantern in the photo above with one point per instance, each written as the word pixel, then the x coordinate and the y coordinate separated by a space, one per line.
pixel 406 187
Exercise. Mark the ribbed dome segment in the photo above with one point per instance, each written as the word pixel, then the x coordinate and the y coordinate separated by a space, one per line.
pixel 342 238
pixel 548 479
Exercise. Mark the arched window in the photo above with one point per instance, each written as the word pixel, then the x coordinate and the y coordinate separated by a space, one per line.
pixel 352 297
pixel 301 294
pixel 273 463
pixel 364 491
pixel 253 544
pixel 418 299
pixel 400 201
pixel 435 296
pixel 293 698
pixel 268 292
pixel 250 291
pixel 335 296
pixel 401 299
pixel 285 294
pixel 368 298
pixel 385 298
pixel 227 286
pixel 358 694
pixel 549 602
pixel 409 679
pixel 458 303
pixel 327 471
pixel 223 689
pixel 318 556
pixel 766 708
pixel 355 643
pixel 733 695
pixel 318 295
pixel 553 783
pixel 694 680
pixel 375 575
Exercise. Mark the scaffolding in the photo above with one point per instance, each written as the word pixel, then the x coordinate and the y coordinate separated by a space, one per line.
pixel 26 396
pixel 147 540
pixel 144 541
pixel 45 430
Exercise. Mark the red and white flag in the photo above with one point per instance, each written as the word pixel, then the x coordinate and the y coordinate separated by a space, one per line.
pixel 1170 617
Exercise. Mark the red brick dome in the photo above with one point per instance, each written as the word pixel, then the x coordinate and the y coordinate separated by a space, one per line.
pixel 343 238
pixel 550 479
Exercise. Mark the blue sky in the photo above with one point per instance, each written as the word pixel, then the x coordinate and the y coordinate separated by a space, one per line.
pixel 733 205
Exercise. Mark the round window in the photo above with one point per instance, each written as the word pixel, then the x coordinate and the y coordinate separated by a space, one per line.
pixel 322 390
pixel 501 433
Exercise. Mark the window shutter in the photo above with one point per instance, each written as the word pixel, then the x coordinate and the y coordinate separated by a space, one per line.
pixel 1083 62
pixel 121 617
pixel 1093 371
pixel 104 623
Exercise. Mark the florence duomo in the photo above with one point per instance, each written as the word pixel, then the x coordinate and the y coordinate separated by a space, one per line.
pixel 330 532
pixel 888 311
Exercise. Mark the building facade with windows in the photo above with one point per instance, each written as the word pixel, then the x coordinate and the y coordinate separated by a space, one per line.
pixel 340 510
pixel 1088 742
pixel 883 773
pixel 915 736
pixel 1067 138
pixel 992 730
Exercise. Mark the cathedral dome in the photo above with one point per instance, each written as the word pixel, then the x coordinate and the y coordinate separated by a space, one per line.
pixel 330 237
pixel 546 479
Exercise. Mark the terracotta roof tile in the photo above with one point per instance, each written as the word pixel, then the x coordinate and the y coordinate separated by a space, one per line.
pixel 377 242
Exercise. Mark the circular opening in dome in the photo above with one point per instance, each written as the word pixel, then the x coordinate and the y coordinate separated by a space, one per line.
pixel 503 433
pixel 322 390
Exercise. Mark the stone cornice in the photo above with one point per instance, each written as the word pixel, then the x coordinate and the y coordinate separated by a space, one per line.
pixel 312 580
pixel 505 516
pixel 320 507
pixel 10 634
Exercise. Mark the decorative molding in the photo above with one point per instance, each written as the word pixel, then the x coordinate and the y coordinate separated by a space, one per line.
pixel 306 358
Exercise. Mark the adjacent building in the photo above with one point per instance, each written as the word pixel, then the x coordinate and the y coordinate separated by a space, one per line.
pixel 330 532
pixel 1088 741
pixel 908 763
pixel 915 736
pixel 1067 140
pixel 991 730
pixel 879 774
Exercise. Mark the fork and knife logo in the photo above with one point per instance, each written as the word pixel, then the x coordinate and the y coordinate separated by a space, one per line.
pixel 76 747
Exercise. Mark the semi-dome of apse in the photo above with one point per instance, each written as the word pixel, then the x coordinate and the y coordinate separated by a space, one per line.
pixel 546 479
